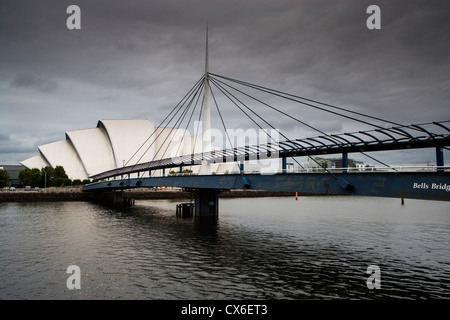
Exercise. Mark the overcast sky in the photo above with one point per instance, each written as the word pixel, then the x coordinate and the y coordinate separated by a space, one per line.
pixel 136 59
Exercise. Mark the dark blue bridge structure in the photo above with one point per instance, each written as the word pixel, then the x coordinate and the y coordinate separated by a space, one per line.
pixel 428 183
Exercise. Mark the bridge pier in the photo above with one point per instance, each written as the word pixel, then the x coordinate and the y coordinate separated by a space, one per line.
pixel 119 199
pixel 344 162
pixel 440 159
pixel 206 202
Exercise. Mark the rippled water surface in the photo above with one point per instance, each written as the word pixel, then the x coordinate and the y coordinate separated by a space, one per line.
pixel 262 248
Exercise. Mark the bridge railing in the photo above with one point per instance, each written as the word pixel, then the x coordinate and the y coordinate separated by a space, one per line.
pixel 400 168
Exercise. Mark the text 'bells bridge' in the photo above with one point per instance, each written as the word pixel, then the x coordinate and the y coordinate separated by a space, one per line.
pixel 390 182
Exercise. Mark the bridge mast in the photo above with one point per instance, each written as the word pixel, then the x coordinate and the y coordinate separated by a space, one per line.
pixel 206 123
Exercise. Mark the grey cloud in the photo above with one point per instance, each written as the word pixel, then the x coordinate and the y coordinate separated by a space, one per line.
pixel 32 81
pixel 138 58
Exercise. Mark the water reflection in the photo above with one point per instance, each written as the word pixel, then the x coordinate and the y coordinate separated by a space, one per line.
pixel 303 250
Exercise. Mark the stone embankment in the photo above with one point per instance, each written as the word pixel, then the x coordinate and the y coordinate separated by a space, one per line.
pixel 76 194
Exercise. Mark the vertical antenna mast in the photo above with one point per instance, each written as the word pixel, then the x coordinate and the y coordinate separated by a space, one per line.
pixel 206 124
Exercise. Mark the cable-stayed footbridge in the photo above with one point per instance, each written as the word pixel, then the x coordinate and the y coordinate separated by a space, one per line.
pixel 427 182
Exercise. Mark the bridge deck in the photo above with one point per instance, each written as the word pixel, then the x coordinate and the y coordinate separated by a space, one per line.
pixel 417 185
pixel 395 138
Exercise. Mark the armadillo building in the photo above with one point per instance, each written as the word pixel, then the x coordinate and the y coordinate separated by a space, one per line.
pixel 111 145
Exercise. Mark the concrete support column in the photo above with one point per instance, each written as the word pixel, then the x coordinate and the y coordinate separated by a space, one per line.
pixel 206 203
pixel 119 199
pixel 283 164
pixel 440 159
pixel 344 162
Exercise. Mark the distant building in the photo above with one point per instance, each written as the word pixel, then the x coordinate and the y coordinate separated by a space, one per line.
pixel 13 172
pixel 331 163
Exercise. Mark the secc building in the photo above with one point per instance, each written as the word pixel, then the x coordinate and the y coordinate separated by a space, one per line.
pixel 117 143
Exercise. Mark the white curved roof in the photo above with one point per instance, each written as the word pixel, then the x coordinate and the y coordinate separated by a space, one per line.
pixel 126 137
pixel 90 151
pixel 62 153
pixel 35 162
pixel 93 148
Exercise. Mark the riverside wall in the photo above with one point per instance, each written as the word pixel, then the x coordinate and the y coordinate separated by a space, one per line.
pixel 76 194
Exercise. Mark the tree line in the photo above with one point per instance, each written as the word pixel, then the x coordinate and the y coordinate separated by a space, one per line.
pixel 4 178
pixel 48 177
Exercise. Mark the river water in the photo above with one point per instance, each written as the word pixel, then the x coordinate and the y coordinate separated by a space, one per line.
pixel 259 248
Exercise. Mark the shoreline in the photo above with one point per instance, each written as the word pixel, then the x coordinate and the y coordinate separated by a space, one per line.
pixel 76 194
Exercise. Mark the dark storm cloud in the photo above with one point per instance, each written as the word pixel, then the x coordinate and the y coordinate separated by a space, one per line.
pixel 137 59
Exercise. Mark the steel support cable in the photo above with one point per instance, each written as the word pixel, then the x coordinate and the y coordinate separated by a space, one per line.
pixel 148 164
pixel 246 184
pixel 365 154
pixel 229 140
pixel 235 149
pixel 178 106
pixel 393 139
pixel 255 114
pixel 280 94
pixel 243 111
pixel 159 134
pixel 179 121
pixel 220 88
pixel 177 124
pixel 221 118
pixel 330 137
pixel 189 121
pixel 267 105
pixel 267 90
pixel 319 108
pixel 332 140
pixel 347 185
pixel 349 143
pixel 162 122
pixel 277 142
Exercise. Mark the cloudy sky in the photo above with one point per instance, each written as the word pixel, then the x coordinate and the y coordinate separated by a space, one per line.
pixel 136 59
